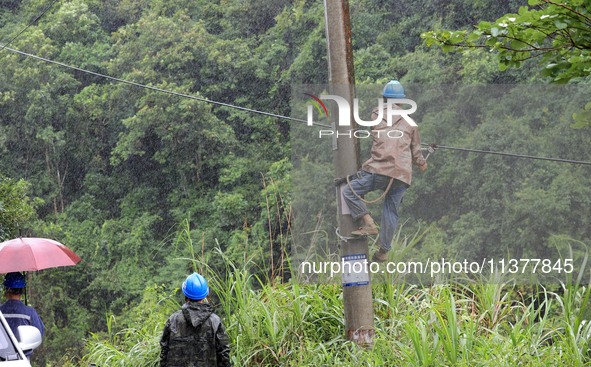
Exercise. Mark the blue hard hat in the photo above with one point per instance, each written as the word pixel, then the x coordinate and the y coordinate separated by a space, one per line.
pixel 15 281
pixel 195 287
pixel 393 90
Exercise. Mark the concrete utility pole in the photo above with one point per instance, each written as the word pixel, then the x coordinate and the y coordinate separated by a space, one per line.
pixel 356 288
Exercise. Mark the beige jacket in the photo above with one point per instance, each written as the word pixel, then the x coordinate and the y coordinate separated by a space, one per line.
pixel 394 149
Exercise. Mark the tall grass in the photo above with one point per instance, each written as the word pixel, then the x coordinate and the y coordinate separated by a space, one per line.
pixel 132 340
pixel 293 324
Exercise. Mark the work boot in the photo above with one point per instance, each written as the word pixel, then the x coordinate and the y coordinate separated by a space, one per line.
pixel 380 256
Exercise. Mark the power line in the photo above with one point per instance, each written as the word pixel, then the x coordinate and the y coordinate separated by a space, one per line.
pixel 28 25
pixel 160 89
pixel 435 146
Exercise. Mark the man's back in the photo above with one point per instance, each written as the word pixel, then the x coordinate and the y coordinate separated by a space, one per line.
pixel 194 337
pixel 17 313
pixel 394 149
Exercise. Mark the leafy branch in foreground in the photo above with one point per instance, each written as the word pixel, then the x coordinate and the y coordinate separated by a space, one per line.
pixel 558 33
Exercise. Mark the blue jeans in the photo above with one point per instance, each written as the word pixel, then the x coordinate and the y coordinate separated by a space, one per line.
pixel 368 182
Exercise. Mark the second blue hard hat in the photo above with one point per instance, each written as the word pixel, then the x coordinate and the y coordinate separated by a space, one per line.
pixel 195 287
pixel 393 90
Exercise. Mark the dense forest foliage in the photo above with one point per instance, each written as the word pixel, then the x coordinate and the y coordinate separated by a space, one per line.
pixel 146 186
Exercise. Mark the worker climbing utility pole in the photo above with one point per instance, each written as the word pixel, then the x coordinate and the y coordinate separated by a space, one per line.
pixel 357 294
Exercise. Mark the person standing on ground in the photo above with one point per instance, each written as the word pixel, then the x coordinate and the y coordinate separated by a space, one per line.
pixel 14 310
pixel 195 336
pixel 394 150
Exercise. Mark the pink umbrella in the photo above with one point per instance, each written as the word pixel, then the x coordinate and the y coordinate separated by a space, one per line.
pixel 29 254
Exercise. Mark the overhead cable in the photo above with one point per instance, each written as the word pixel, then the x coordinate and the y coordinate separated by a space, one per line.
pixel 159 89
pixel 28 25
pixel 516 155
pixel 223 104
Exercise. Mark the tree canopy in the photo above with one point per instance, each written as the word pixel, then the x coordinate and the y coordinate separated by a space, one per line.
pixel 147 186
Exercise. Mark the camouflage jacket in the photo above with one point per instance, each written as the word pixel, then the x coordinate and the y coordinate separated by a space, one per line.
pixel 194 337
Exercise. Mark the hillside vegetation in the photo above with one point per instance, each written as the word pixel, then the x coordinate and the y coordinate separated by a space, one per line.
pixel 147 186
